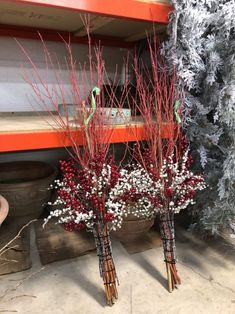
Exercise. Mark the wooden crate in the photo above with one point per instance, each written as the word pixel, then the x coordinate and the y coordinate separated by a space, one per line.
pixel 56 244
pixel 16 256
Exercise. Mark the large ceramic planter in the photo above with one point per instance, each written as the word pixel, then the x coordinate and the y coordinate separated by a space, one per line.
pixel 25 186
pixel 133 228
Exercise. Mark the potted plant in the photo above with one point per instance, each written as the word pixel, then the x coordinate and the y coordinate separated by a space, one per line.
pixel 25 186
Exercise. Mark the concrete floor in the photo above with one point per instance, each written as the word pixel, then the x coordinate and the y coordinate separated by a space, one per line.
pixel 207 271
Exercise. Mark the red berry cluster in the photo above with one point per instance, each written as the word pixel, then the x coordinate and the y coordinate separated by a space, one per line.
pixel 184 145
pixel 72 226
pixel 69 171
pixel 108 217
pixel 78 186
pixel 115 172
pixel 189 186
pixel 180 194
pixel 97 204
pixel 145 158
pixel 96 165
pixel 84 179
pixel 169 192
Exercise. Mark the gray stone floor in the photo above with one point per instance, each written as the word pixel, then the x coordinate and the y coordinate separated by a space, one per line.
pixel 207 270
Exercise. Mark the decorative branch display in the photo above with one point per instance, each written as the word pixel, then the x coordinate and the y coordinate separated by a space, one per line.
pixel 201 46
pixel 168 190
pixel 82 196
pixel 90 174
pixel 179 187
pixel 165 164
pixel 95 193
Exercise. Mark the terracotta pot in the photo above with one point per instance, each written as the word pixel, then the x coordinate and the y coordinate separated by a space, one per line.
pixel 25 186
pixel 4 209
pixel 133 228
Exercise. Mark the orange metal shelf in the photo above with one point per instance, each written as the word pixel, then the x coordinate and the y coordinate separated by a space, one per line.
pixel 128 9
pixel 52 35
pixel 135 10
pixel 11 141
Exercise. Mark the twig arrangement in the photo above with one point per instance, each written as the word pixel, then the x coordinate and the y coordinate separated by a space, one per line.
pixel 166 162
pixel 106 264
pixel 167 230
pixel 91 173
pixel 179 187
pixel 83 195
pixel 158 96
pixel 94 193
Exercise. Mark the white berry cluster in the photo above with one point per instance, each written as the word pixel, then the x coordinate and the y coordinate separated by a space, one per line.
pixel 179 184
pixel 131 195
pixel 86 214
pixel 64 213
pixel 135 192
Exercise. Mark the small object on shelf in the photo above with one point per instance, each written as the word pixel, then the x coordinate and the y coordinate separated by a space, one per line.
pixel 108 116
pixel 68 110
pixel 115 115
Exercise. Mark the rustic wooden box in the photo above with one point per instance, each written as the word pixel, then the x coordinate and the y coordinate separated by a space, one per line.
pixel 16 256
pixel 56 244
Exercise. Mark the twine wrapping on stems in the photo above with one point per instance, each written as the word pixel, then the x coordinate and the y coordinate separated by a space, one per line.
pixel 167 232
pixel 106 263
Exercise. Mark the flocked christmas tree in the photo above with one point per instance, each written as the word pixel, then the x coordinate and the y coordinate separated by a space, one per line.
pixel 201 44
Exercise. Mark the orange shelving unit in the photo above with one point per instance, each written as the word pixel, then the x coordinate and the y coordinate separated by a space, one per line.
pixel 39 139
pixel 141 10
pixel 113 23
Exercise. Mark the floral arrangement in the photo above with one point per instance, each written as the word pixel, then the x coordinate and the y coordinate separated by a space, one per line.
pixel 102 191
pixel 94 193
pixel 168 190
pixel 174 184
pixel 83 193
pixel 91 173
pixel 165 160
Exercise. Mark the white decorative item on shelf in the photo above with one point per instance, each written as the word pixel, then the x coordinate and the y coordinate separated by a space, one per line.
pixel 67 110
pixel 108 115
pixel 116 115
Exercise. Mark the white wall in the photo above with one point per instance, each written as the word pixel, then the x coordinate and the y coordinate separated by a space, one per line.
pixel 17 95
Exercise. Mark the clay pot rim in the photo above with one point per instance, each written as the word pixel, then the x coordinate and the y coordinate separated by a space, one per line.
pixel 18 185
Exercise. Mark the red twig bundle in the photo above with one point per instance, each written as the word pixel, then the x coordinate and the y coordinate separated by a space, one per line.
pixel 165 161
pixel 91 173
pixel 157 95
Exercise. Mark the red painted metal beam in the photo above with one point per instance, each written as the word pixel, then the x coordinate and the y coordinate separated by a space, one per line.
pixel 52 139
pixel 128 9
pixel 53 35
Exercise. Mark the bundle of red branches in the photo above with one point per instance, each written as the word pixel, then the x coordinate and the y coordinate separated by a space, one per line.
pixel 91 173
pixel 166 161
pixel 82 199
